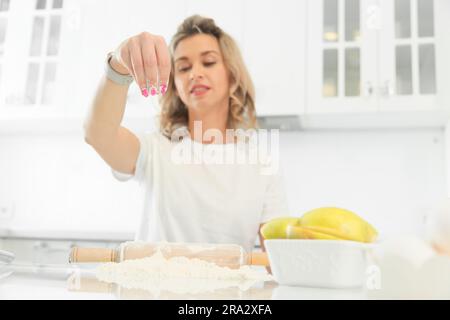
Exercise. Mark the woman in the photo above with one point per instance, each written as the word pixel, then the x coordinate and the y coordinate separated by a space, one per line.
pixel 204 86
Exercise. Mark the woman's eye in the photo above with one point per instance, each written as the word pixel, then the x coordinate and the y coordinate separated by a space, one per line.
pixel 183 69
pixel 208 64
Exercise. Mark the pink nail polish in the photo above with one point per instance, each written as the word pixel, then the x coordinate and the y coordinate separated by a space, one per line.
pixel 144 92
pixel 153 91
pixel 163 89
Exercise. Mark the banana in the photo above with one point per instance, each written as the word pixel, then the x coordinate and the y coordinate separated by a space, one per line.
pixel 328 223
pixel 340 223
pixel 297 232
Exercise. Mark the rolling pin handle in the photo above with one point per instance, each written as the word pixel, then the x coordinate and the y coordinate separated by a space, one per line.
pixel 86 255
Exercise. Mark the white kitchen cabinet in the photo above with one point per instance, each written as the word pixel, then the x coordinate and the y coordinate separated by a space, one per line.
pixel 271 36
pixel 104 25
pixel 379 57
pixel 410 77
pixel 342 59
pixel 260 29
pixel 87 31
pixel 307 58
pixel 274 52
pixel 31 57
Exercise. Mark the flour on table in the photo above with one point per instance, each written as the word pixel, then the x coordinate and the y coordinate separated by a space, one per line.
pixel 178 275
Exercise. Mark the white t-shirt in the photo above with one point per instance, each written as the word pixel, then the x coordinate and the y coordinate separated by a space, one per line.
pixel 204 202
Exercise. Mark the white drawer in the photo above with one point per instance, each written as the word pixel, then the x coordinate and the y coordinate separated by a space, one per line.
pixel 42 251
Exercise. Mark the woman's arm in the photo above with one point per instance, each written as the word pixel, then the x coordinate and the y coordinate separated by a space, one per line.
pixel 118 146
pixel 144 57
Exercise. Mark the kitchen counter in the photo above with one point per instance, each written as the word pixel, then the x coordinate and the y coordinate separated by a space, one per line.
pixel 61 235
pixel 70 282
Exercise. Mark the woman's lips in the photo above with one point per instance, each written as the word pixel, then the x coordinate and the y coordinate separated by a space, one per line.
pixel 200 92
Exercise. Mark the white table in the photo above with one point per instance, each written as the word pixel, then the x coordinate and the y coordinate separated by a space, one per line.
pixel 69 282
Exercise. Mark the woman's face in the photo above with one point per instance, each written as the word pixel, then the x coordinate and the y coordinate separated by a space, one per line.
pixel 198 62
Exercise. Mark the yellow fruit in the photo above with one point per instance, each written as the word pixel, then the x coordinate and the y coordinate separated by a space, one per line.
pixel 276 228
pixel 297 232
pixel 340 223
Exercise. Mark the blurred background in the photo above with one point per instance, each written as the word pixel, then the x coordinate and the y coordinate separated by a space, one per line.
pixel 359 89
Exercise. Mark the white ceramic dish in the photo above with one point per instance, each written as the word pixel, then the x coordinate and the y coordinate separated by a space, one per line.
pixel 5 272
pixel 6 256
pixel 318 263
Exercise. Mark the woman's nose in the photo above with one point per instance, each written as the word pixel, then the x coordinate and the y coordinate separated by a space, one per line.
pixel 196 72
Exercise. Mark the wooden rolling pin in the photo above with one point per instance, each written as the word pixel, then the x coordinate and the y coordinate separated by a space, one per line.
pixel 225 255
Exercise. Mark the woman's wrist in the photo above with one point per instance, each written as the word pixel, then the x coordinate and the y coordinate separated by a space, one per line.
pixel 118 67
pixel 115 72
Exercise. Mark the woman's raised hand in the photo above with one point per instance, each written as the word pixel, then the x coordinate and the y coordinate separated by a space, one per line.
pixel 145 57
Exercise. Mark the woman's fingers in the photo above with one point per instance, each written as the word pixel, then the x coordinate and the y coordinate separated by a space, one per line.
pixel 163 61
pixel 146 56
pixel 137 65
pixel 150 62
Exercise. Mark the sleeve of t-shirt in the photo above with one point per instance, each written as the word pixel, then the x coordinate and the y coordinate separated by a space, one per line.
pixel 145 151
pixel 275 199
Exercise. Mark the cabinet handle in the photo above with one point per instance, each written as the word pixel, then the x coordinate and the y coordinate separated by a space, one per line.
pixel 45 246
pixel 387 90
pixel 368 89
pixel 40 245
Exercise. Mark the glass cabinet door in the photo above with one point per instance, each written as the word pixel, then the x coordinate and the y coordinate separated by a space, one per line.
pixel 408 55
pixel 4 16
pixel 31 55
pixel 342 57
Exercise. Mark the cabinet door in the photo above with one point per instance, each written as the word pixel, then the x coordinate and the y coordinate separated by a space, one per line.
pixel 408 76
pixel 53 51
pixel 342 56
pixel 7 16
pixel 274 51
pixel 95 28
pixel 31 38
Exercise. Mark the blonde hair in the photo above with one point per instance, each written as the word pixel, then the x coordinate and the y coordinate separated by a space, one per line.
pixel 241 113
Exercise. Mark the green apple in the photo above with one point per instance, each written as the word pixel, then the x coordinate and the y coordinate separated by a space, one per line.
pixel 276 228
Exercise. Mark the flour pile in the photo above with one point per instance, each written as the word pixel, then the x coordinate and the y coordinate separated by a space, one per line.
pixel 177 275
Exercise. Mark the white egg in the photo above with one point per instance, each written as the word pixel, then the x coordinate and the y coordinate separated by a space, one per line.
pixel 410 249
pixel 437 226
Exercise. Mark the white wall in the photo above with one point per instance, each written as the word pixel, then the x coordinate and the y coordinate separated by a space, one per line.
pixel 59 182
pixel 389 177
